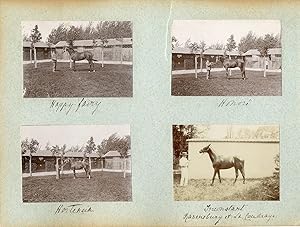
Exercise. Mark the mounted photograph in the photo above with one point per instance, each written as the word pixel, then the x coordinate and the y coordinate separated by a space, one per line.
pixel 226 58
pixel 76 163
pixel 226 163
pixel 77 59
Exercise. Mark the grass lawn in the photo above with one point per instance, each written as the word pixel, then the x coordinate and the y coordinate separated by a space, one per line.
pixel 200 190
pixel 102 186
pixel 218 85
pixel 109 81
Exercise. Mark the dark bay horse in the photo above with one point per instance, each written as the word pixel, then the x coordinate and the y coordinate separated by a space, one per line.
pixel 75 165
pixel 232 63
pixel 78 56
pixel 221 162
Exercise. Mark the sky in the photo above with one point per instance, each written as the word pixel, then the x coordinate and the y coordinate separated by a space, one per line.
pixel 218 31
pixel 45 27
pixel 72 135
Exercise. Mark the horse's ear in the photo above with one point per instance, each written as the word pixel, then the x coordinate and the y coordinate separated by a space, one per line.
pixel 209 145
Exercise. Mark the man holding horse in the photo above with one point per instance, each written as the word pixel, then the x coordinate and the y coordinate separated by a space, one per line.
pixel 208 68
pixel 184 163
pixel 54 60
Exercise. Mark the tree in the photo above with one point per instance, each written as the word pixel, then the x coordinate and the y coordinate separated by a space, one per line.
pixel 180 135
pixel 56 150
pixel 231 44
pixel 175 42
pixel 265 43
pixel 114 142
pixel 217 46
pixel 26 38
pixel 194 47
pixel 202 46
pixel 247 42
pixel 90 148
pixel 35 37
pixel 202 131
pixel 187 43
pixel 58 34
pixel 30 147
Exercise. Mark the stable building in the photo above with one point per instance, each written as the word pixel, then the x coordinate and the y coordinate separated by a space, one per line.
pixel 43 50
pixel 118 49
pixel 45 161
pixel 113 160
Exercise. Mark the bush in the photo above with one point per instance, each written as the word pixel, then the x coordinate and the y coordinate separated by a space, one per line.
pixel 270 185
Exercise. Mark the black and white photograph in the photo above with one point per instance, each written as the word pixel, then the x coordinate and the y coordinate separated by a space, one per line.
pixel 226 162
pixel 77 59
pixel 76 163
pixel 226 58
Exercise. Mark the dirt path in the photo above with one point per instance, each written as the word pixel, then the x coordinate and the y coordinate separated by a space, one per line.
pixel 200 190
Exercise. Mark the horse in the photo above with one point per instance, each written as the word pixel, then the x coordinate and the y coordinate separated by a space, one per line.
pixel 220 162
pixel 78 56
pixel 232 63
pixel 80 165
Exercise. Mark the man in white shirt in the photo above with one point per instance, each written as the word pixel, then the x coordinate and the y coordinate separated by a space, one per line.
pixel 54 60
pixel 183 163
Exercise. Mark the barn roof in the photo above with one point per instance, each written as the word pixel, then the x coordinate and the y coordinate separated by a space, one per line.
pixel 213 52
pixel 252 52
pixel 274 51
pixel 44 153
pixel 181 50
pixel 233 53
pixel 38 44
pixel 89 43
pixel 112 154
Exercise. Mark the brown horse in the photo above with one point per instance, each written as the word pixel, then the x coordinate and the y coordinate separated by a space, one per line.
pixel 80 165
pixel 78 56
pixel 232 63
pixel 220 162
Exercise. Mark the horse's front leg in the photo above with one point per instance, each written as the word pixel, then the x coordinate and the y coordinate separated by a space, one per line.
pixel 213 179
pixel 74 65
pixel 236 175
pixel 243 174
pixel 219 176
pixel 74 173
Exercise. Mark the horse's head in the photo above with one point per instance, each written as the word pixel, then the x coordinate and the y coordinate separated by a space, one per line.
pixel 204 149
pixel 221 58
pixel 67 49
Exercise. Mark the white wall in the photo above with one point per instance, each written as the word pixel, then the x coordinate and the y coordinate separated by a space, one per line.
pixel 258 156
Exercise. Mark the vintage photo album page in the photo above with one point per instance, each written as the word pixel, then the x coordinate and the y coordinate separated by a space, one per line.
pixel 150 113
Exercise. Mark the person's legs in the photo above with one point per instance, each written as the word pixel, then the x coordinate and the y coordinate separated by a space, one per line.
pixel 182 177
pixel 207 74
pixel 54 66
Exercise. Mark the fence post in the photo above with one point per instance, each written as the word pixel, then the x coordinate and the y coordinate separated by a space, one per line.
pixel 30 170
pixel 30 55
pixel 35 60
pixel 124 166
pixel 57 168
pixel 265 65
pixel 196 75
pixel 102 56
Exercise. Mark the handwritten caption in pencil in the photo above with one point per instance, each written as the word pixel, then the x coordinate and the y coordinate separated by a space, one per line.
pixel 230 213
pixel 68 107
pixel 227 102
pixel 73 209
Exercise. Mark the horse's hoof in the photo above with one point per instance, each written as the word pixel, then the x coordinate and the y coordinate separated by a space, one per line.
pixel 94 71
